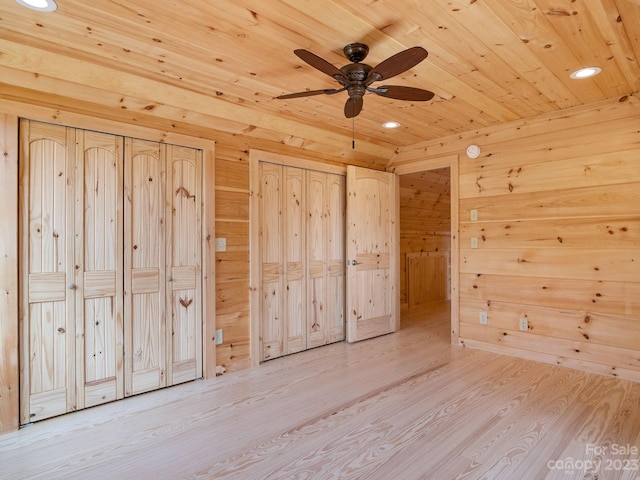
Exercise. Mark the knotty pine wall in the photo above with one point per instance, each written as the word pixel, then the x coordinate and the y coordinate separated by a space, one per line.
pixel 559 220
pixel 425 219
pixel 232 266
pixel 558 201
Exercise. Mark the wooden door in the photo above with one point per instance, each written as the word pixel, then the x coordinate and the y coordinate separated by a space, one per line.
pixel 99 268
pixel 316 258
pixel 335 221
pixel 94 301
pixel 325 257
pixel 184 298
pixel 146 339
pixel 373 289
pixel 48 278
pixel 271 237
pixel 294 272
pixel 71 247
pixel 282 260
pixel 301 229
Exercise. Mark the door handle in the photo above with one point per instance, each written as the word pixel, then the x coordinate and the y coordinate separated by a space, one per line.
pixel 355 262
pixel 71 286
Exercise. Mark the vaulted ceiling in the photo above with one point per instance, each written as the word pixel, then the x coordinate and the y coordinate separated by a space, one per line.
pixel 192 66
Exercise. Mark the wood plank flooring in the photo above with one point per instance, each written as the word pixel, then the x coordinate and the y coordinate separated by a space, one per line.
pixel 402 406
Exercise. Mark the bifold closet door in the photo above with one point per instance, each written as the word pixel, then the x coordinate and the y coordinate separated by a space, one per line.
pixel 272 324
pixel 99 280
pixel 325 257
pixel 283 268
pixel 335 220
pixel 301 241
pixel 110 261
pixel 163 224
pixel 184 297
pixel 294 243
pixel 47 300
pixel 146 338
pixel 71 264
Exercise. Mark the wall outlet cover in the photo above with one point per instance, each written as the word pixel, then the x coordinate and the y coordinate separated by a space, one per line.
pixel 524 325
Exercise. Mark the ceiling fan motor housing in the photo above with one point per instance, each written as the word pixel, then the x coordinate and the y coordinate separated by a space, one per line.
pixel 356 72
pixel 356 52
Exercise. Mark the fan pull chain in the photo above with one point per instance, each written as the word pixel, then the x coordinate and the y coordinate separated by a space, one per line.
pixel 353 133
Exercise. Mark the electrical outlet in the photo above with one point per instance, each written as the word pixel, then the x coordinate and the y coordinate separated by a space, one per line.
pixel 524 325
pixel 483 317
pixel 474 215
pixel 219 336
pixel 474 242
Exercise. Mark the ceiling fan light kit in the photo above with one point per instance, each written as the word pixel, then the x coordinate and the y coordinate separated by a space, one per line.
pixel 356 78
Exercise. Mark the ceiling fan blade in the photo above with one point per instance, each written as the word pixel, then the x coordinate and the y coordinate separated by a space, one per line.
pixel 320 64
pixel 353 107
pixel 310 93
pixel 403 93
pixel 396 64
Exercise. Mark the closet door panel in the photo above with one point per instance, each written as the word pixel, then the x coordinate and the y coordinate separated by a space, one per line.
pixel 271 240
pixel 145 272
pixel 47 266
pixel 336 212
pixel 316 258
pixel 294 252
pixel 99 250
pixel 184 194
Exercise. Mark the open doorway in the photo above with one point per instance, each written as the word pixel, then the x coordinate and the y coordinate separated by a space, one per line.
pixel 425 237
pixel 429 242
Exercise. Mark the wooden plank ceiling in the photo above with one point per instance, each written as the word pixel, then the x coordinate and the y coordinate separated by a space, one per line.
pixel 193 66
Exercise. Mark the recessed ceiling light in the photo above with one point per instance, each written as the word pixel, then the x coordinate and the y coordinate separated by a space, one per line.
pixel 40 5
pixel 391 124
pixel 585 72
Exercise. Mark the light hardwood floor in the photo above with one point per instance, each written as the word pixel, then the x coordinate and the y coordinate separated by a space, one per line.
pixel 403 406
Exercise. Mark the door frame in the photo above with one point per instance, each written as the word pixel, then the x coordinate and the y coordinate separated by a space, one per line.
pixel 452 162
pixel 255 270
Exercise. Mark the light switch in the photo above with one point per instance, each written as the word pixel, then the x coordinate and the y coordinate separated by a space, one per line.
pixel 474 215
pixel 221 244
pixel 474 242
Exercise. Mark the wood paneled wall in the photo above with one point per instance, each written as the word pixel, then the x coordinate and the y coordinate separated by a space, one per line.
pixel 558 202
pixel 232 266
pixel 9 376
pixel 425 217
pixel 557 198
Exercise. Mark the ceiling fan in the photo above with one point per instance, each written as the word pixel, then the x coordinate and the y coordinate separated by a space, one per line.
pixel 356 78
